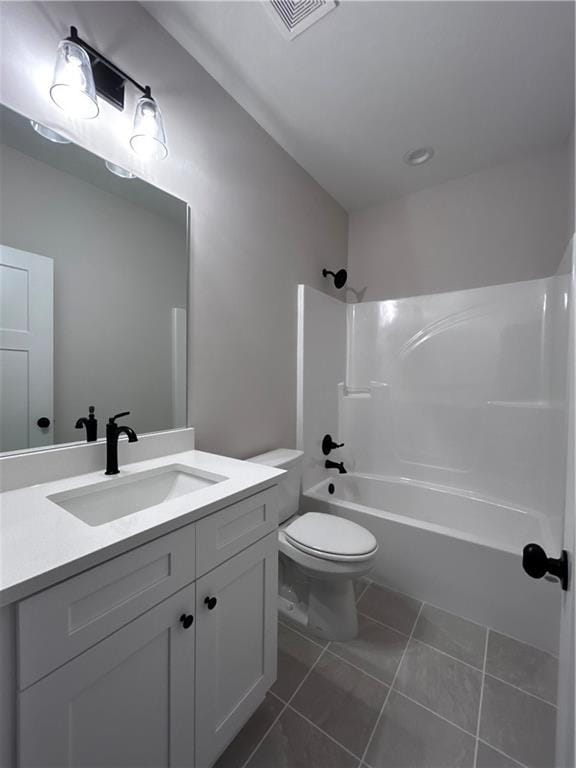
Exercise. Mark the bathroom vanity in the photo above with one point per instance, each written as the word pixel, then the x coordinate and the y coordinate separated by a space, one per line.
pixel 139 611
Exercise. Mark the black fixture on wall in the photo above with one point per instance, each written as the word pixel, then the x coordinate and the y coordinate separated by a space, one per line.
pixel 109 79
pixel 339 465
pixel 329 445
pixel 82 75
pixel 340 277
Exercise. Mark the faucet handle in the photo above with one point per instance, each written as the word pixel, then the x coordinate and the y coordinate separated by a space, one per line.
pixel 329 445
pixel 112 419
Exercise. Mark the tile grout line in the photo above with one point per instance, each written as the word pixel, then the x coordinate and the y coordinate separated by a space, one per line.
pixel 327 649
pixel 317 727
pixel 284 708
pixel 481 697
pixel 361 595
pixel 358 669
pixel 522 690
pixel 400 693
pixel 432 712
pixel 504 754
pixel 363 758
pixel 423 642
pixel 299 632
pixel 464 618
pixel 460 661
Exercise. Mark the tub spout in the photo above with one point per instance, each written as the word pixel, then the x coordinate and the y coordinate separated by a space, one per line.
pixel 339 465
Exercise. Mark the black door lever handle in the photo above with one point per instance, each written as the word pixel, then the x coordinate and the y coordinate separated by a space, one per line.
pixel 537 564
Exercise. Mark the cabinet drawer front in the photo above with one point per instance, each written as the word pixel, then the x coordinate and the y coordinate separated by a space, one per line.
pixel 225 533
pixel 61 622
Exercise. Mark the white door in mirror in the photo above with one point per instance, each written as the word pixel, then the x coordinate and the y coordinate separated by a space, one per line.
pixel 26 349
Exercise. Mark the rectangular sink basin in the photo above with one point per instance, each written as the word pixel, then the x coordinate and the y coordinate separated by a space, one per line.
pixel 112 499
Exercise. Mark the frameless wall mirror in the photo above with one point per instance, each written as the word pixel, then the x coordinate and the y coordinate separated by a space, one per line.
pixel 93 293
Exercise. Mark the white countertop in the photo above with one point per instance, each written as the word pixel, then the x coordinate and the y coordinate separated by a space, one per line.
pixel 41 543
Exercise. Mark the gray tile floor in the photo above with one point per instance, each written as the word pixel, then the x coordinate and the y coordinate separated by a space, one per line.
pixel 418 688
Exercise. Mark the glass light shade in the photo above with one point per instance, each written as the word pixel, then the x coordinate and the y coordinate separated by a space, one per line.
pixel 48 133
pixel 148 137
pixel 73 88
pixel 117 170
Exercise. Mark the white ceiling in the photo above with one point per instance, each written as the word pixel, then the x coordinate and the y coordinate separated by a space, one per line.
pixel 481 82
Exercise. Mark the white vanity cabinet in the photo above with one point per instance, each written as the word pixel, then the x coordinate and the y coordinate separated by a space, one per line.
pixel 113 672
pixel 235 644
pixel 127 701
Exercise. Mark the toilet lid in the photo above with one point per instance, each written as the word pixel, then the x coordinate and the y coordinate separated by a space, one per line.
pixel 330 535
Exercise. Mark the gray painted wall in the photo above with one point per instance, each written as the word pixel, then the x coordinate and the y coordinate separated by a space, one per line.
pixel 504 224
pixel 260 224
pixel 118 271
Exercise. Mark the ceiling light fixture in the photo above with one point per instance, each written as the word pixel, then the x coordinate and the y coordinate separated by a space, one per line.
pixel 117 170
pixel 419 156
pixel 48 133
pixel 82 73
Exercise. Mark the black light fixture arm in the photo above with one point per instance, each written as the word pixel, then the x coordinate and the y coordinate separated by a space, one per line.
pixel 97 58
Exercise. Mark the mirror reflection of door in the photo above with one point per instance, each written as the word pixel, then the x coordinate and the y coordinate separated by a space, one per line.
pixel 26 349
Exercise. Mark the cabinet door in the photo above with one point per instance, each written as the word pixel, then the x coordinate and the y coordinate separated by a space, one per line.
pixel 236 644
pixel 128 701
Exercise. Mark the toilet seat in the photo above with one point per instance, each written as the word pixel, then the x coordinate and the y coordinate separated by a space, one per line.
pixel 331 538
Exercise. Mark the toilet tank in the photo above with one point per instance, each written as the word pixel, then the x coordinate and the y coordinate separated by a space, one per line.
pixel 290 483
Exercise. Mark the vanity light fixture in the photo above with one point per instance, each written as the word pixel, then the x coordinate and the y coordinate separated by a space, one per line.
pixel 82 73
pixel 73 88
pixel 48 133
pixel 148 136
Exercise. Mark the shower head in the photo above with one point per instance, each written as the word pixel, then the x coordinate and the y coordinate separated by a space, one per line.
pixel 340 277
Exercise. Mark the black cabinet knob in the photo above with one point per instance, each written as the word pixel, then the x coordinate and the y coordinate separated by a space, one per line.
pixel 186 620
pixel 537 564
pixel 210 602
pixel 43 422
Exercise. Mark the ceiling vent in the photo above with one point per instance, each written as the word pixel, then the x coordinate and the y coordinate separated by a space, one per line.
pixel 294 16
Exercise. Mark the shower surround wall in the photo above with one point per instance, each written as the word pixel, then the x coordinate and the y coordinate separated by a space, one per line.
pixel 464 390
pixel 452 408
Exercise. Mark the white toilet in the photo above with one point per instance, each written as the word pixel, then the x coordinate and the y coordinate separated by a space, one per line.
pixel 320 556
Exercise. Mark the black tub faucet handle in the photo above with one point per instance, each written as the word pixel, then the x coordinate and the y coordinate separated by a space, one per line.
pixel 329 445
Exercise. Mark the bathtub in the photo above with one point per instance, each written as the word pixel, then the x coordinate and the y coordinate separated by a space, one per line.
pixel 452 549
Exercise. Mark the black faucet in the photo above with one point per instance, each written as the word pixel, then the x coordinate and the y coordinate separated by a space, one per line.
pixel 339 465
pixel 91 424
pixel 113 431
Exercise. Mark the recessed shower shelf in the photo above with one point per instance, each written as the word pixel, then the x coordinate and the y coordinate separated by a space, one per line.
pixel 362 392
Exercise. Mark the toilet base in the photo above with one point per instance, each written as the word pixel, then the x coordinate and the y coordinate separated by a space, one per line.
pixel 323 607
pixel 332 610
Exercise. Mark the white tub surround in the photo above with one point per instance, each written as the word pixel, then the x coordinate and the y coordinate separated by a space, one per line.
pixel 464 390
pixel 452 411
pixel 42 543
